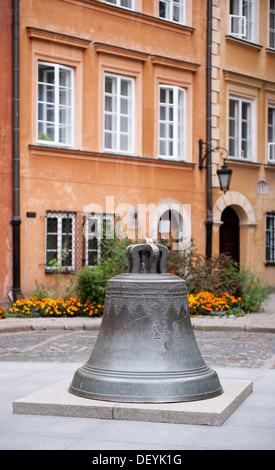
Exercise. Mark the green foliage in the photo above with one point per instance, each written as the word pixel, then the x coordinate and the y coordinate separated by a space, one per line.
pixel 253 291
pixel 91 283
pixel 218 275
pixel 42 136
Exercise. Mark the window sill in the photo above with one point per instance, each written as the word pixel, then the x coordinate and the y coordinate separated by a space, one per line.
pixel 269 166
pixel 246 163
pixel 270 51
pixel 53 145
pixel 59 271
pixel 243 42
pixel 269 263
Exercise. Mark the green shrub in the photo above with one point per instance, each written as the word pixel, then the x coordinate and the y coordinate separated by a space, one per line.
pixel 218 275
pixel 252 290
pixel 91 283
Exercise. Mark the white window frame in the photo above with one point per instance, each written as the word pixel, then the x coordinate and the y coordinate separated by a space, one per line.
pixel 113 118
pixel 172 133
pixel 97 234
pixel 271 142
pixel 120 3
pixel 60 216
pixel 57 107
pixel 237 123
pixel 246 27
pixel 271 25
pixel 170 6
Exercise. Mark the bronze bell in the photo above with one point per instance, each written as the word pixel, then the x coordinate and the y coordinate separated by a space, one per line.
pixel 146 351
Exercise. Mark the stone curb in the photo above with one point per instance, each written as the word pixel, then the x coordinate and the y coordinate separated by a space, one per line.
pixel 262 323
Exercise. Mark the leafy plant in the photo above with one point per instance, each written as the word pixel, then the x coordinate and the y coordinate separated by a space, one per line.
pixel 218 275
pixel 42 136
pixel 253 291
pixel 91 283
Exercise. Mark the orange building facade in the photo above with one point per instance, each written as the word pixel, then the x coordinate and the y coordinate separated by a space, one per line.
pixel 113 102
pixel 6 166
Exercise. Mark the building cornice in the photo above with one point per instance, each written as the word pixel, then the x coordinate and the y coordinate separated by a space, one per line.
pixel 52 36
pixel 120 51
pixel 55 152
pixel 248 80
pixel 143 56
pixel 243 163
pixel 243 43
pixel 174 63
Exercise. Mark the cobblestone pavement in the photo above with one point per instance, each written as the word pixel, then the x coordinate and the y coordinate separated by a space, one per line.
pixel 218 348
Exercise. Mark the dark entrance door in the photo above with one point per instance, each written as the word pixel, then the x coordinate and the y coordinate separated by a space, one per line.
pixel 230 234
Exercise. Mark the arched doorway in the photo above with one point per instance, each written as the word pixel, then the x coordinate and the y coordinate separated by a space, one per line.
pixel 168 228
pixel 171 222
pixel 230 234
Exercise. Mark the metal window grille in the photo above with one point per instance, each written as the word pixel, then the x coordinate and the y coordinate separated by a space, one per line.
pixel 270 238
pixel 74 240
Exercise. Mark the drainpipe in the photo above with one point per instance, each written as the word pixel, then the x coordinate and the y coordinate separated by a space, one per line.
pixel 209 203
pixel 16 220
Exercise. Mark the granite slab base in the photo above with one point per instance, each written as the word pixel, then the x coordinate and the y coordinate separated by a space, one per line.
pixel 57 401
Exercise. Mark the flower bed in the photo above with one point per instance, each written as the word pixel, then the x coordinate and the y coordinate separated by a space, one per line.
pixel 55 307
pixel 205 303
pixel 2 313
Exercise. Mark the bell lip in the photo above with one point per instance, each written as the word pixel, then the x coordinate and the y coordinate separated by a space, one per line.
pixel 156 382
pixel 145 400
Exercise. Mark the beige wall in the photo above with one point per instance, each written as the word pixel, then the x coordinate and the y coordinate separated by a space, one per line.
pixel 244 69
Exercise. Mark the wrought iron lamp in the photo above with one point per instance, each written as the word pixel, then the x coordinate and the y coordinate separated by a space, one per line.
pixel 224 174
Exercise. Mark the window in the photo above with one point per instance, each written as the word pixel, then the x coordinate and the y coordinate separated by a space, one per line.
pixel 242 19
pixel 122 3
pixel 271 134
pixel 172 122
pixel 60 241
pixel 97 227
pixel 240 128
pixel 119 114
pixel 55 104
pixel 172 10
pixel 272 24
pixel 270 238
